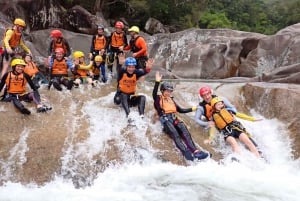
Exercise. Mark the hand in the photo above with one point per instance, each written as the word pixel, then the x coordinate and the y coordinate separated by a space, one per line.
pixel 158 76
pixel 121 57
pixel 134 55
pixel 211 124
pixel 121 48
pixel 194 108
pixel 9 51
pixel 149 63
pixel 207 141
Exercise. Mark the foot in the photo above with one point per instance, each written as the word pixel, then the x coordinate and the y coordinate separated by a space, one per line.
pixel 43 108
pixel 200 155
pixel 25 111
pixel 188 155
pixel 57 86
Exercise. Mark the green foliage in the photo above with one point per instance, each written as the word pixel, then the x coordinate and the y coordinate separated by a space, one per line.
pixel 213 21
pixel 262 16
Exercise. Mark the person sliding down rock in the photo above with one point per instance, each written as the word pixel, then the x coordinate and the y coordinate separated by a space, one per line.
pixel 167 109
pixel 126 88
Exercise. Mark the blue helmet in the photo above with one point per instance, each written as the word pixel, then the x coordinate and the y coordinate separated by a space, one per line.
pixel 130 61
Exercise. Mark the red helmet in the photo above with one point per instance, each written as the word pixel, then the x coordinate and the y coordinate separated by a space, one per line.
pixel 204 90
pixel 59 50
pixel 56 33
pixel 119 25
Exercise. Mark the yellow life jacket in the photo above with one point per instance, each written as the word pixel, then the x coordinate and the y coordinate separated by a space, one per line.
pixel 117 39
pixel 59 67
pixel 16 84
pixel 222 118
pixel 128 84
pixel 167 105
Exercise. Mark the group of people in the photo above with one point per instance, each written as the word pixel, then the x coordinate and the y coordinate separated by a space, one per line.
pixel 219 114
pixel 214 113
pixel 66 69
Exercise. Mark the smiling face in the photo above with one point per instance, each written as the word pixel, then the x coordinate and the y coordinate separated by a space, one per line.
pixel 19 68
pixel 219 105
pixel 130 69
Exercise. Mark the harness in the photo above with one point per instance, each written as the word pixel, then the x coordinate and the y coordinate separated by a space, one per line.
pixel 134 48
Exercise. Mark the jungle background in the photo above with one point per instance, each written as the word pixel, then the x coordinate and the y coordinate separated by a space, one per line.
pixel 260 16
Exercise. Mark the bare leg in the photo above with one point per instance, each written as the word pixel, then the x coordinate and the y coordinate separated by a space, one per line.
pixel 233 143
pixel 245 139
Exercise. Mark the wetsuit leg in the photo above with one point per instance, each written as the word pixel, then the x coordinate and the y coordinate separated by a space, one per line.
pixel 186 136
pixel 17 103
pixel 171 130
pixel 140 101
pixel 125 102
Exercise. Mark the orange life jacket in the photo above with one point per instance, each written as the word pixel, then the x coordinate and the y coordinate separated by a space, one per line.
pixel 222 118
pixel 167 105
pixel 80 73
pixel 207 108
pixel 59 67
pixel 16 84
pixel 15 38
pixel 96 70
pixel 31 69
pixel 60 44
pixel 128 84
pixel 117 39
pixel 99 42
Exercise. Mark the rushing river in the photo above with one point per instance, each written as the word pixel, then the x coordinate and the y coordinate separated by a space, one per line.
pixel 155 180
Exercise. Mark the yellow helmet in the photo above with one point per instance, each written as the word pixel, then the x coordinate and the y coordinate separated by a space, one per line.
pixel 215 100
pixel 78 54
pixel 134 29
pixel 15 62
pixel 20 22
pixel 98 58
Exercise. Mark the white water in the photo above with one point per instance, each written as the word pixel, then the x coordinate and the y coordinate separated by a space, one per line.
pixel 151 179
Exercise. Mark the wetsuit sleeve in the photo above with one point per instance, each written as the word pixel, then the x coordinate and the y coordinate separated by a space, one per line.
pixel 92 44
pixel 182 110
pixel 2 83
pixel 50 48
pixel 155 90
pixel 125 40
pixel 28 79
pixel 229 106
pixel 24 47
pixel 7 37
pixel 68 53
pixel 141 43
pixel 70 64
pixel 141 72
pixel 156 98
pixel 198 117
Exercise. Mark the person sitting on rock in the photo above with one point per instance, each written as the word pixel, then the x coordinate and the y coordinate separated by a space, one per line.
pixel 33 71
pixel 59 66
pixel 58 41
pixel 82 72
pixel 99 67
pixel 13 39
pixel 126 87
pixel 167 110
pixel 230 128
pixel 15 88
